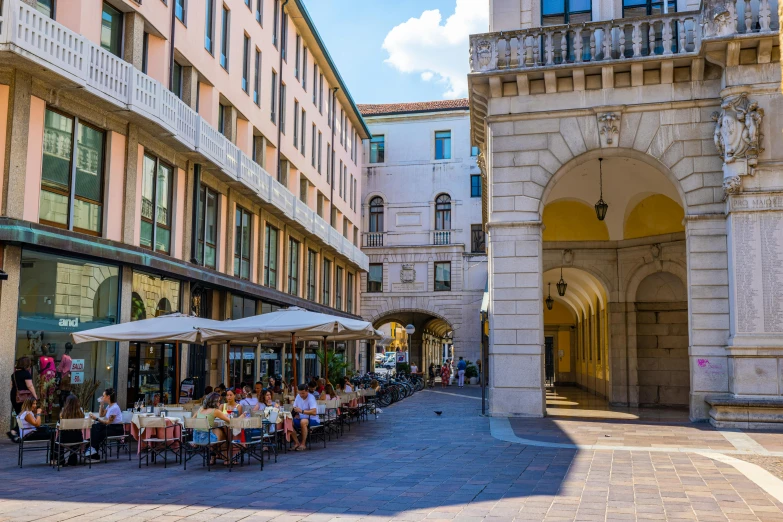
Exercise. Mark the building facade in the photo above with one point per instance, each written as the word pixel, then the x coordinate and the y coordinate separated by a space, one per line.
pixel 185 156
pixel 422 231
pixel 669 114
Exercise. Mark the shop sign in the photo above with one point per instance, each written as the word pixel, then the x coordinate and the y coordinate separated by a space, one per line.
pixel 268 356
pixel 69 323
pixel 309 356
pixel 77 377
pixel 77 365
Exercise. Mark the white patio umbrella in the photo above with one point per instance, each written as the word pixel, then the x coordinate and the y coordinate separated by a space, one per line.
pixel 288 325
pixel 165 328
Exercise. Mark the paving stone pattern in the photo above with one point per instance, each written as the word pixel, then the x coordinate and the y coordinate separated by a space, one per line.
pixel 409 465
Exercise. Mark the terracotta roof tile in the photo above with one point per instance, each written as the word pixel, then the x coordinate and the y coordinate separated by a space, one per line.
pixel 378 109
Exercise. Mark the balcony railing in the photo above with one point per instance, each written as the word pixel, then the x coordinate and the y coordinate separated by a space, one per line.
pixel 441 237
pixel 39 38
pixel 373 239
pixel 616 40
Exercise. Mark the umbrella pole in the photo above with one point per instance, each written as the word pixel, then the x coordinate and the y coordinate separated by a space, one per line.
pixel 326 361
pixel 293 357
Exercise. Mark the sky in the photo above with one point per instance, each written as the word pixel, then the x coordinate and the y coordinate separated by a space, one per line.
pixel 391 51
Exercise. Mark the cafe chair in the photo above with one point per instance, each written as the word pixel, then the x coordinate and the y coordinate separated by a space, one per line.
pixel 251 444
pixel 119 442
pixel 191 444
pixel 331 419
pixel 155 446
pixel 316 433
pixel 33 446
pixel 272 437
pixel 64 450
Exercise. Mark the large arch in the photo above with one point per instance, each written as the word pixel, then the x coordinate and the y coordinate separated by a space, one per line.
pixel 432 340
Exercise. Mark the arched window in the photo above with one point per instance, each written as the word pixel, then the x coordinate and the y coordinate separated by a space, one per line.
pixel 376 214
pixel 443 212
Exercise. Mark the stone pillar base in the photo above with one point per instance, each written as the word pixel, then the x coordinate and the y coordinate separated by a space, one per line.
pixel 516 402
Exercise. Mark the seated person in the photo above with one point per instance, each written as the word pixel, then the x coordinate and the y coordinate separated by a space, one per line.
pixel 321 385
pixel 31 423
pixel 374 385
pixel 71 410
pixel 258 391
pixel 306 415
pixel 329 393
pixel 347 385
pixel 108 422
pixel 311 388
pixel 210 410
pixel 250 403
pixel 273 385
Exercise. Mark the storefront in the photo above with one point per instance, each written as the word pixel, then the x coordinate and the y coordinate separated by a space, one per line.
pixel 59 295
pixel 153 369
pixel 242 357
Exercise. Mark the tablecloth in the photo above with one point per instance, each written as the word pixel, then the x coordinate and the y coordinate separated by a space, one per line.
pixel 172 431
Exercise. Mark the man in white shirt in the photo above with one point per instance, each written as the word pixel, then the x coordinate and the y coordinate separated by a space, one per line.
pixel 307 408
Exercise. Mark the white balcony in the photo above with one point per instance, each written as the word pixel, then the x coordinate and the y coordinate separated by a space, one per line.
pixel 25 31
pixel 373 239
pixel 441 237
pixel 622 40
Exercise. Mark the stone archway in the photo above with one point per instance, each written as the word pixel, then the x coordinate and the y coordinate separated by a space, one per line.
pixel 433 333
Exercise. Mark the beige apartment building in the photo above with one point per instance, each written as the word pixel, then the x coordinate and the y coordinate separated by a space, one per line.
pixel 631 154
pixel 193 156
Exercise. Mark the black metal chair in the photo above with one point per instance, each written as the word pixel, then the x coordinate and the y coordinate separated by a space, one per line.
pixel 119 442
pixel 196 440
pixel 251 443
pixel 63 450
pixel 155 446
pixel 34 446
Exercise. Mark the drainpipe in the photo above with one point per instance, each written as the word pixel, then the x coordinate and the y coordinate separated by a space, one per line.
pixel 171 44
pixel 281 103
pixel 331 159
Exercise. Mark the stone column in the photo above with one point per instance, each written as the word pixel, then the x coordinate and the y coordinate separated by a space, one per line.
pixel 755 254
pixel 16 152
pixel 708 309
pixel 126 293
pixel 516 349
pixel 129 222
pixel 9 308
pixel 133 51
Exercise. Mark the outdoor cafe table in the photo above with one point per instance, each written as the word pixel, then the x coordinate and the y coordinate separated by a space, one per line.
pixel 173 430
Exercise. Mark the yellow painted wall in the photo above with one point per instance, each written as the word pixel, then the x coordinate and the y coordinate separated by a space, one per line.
pixel 654 215
pixel 572 221
pixel 564 345
pixel 559 314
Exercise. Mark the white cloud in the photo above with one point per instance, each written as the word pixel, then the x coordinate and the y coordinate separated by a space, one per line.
pixel 439 51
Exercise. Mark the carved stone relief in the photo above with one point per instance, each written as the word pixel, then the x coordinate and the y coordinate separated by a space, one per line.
pixel 407 274
pixel 609 128
pixel 738 138
pixel 720 18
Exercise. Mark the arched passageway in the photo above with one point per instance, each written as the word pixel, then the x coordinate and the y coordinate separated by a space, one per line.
pixel 431 342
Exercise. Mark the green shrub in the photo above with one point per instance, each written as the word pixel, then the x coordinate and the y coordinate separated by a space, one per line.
pixel 471 370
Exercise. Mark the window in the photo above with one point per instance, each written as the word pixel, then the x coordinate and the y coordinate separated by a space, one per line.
pixel 273 97
pixel 303 139
pixel 275 20
pixel 293 267
pixel 477 239
pixel 242 235
pixel 312 145
pixel 224 39
pixel 326 283
pixel 375 278
pixel 145 51
pixel 342 126
pixel 257 84
pixel 443 212
pixel 311 274
pixel 270 257
pixel 376 214
pixel 209 26
pixel 475 185
pixel 319 151
pixel 46 7
pixel 315 85
pixel 378 149
pixel 474 151
pixel 222 118
pixel 246 64
pixel 298 56
pixel 156 187
pixel 72 191
pixel 329 111
pixel 282 108
pixel 260 11
pixel 296 123
pixel 304 68
pixel 180 10
pixel 176 80
pixel 355 192
pixel 320 93
pixel 555 12
pixel 206 249
pixel 340 181
pixel 111 30
pixel 284 36
pixel 338 288
pixel 443 145
pixel 349 293
pixel 442 276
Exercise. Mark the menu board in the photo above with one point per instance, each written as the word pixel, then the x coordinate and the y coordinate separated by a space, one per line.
pixel 758 271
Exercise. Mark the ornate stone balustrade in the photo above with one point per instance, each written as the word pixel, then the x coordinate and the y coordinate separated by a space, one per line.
pixel 25 31
pixel 613 41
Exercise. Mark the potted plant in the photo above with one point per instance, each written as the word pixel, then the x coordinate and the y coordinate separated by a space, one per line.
pixel 471 373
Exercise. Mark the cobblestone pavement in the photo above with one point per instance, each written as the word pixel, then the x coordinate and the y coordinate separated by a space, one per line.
pixel 408 465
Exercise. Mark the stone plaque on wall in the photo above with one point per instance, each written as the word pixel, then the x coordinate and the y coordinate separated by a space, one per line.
pixel 757 253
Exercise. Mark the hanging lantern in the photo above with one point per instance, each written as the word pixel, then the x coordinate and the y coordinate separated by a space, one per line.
pixel 549 300
pixel 561 285
pixel 601 207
